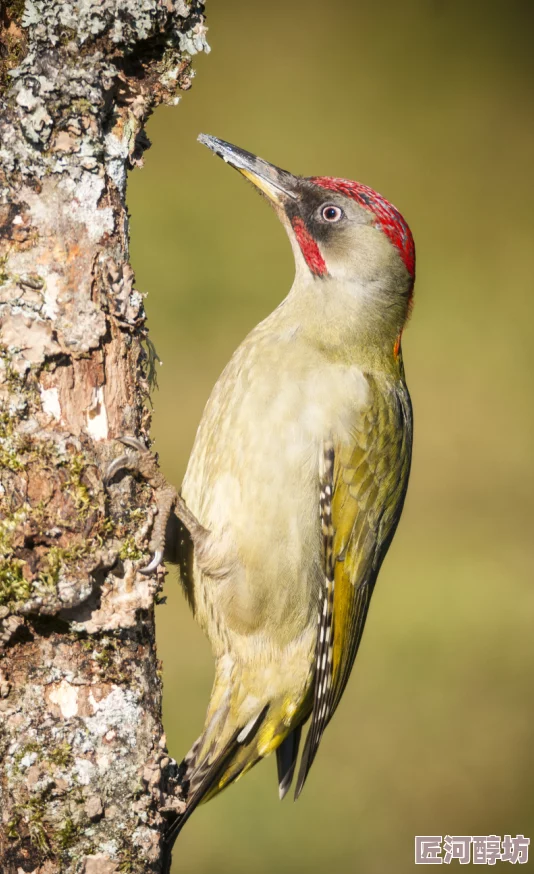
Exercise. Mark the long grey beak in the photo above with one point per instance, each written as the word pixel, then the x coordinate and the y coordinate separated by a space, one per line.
pixel 276 184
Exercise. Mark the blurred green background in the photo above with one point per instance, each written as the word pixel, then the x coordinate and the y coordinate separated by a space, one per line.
pixel 430 102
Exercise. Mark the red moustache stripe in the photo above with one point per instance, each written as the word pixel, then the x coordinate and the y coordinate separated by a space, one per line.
pixel 309 248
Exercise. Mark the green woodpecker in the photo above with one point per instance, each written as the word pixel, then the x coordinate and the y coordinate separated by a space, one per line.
pixel 297 479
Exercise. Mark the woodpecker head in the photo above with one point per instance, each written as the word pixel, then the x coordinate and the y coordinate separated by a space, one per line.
pixel 343 234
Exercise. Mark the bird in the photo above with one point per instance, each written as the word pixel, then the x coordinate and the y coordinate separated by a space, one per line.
pixel 296 481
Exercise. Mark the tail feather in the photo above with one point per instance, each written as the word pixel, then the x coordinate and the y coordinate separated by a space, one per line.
pixel 233 741
pixel 188 763
pixel 205 779
pixel 210 775
pixel 286 759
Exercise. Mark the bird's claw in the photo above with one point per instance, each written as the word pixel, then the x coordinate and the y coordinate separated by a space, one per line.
pixel 120 463
pixel 127 461
pixel 141 461
pixel 134 443
pixel 153 565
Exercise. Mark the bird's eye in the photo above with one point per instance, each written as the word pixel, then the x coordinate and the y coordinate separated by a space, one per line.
pixel 331 213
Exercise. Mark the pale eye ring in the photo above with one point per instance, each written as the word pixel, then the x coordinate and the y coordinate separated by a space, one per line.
pixel 331 213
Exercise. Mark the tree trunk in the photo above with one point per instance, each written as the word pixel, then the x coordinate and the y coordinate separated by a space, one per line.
pixel 86 784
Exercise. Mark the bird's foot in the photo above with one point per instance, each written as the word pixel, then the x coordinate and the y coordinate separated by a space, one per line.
pixel 140 460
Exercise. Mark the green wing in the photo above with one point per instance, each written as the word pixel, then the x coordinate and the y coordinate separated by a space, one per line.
pixel 369 477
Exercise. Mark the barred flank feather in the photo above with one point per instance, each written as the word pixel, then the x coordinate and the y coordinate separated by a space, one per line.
pixel 325 629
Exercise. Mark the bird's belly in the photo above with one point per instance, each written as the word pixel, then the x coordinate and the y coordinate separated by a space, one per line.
pixel 264 521
pixel 253 481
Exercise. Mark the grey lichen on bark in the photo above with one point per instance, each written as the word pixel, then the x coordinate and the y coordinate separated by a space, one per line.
pixel 86 783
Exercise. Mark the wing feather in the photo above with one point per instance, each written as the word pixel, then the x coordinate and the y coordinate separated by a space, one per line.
pixel 369 481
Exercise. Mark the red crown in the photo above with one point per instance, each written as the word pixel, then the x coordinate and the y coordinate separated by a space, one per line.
pixel 388 218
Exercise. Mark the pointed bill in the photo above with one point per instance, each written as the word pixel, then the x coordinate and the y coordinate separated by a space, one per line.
pixel 277 185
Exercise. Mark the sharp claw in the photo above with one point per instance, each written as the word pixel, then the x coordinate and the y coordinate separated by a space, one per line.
pixel 134 443
pixel 117 464
pixel 154 564
pixel 129 461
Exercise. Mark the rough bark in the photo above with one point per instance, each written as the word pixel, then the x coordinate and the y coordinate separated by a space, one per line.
pixel 85 784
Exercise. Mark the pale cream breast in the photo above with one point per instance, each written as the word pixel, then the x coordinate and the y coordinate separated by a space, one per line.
pixel 253 478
